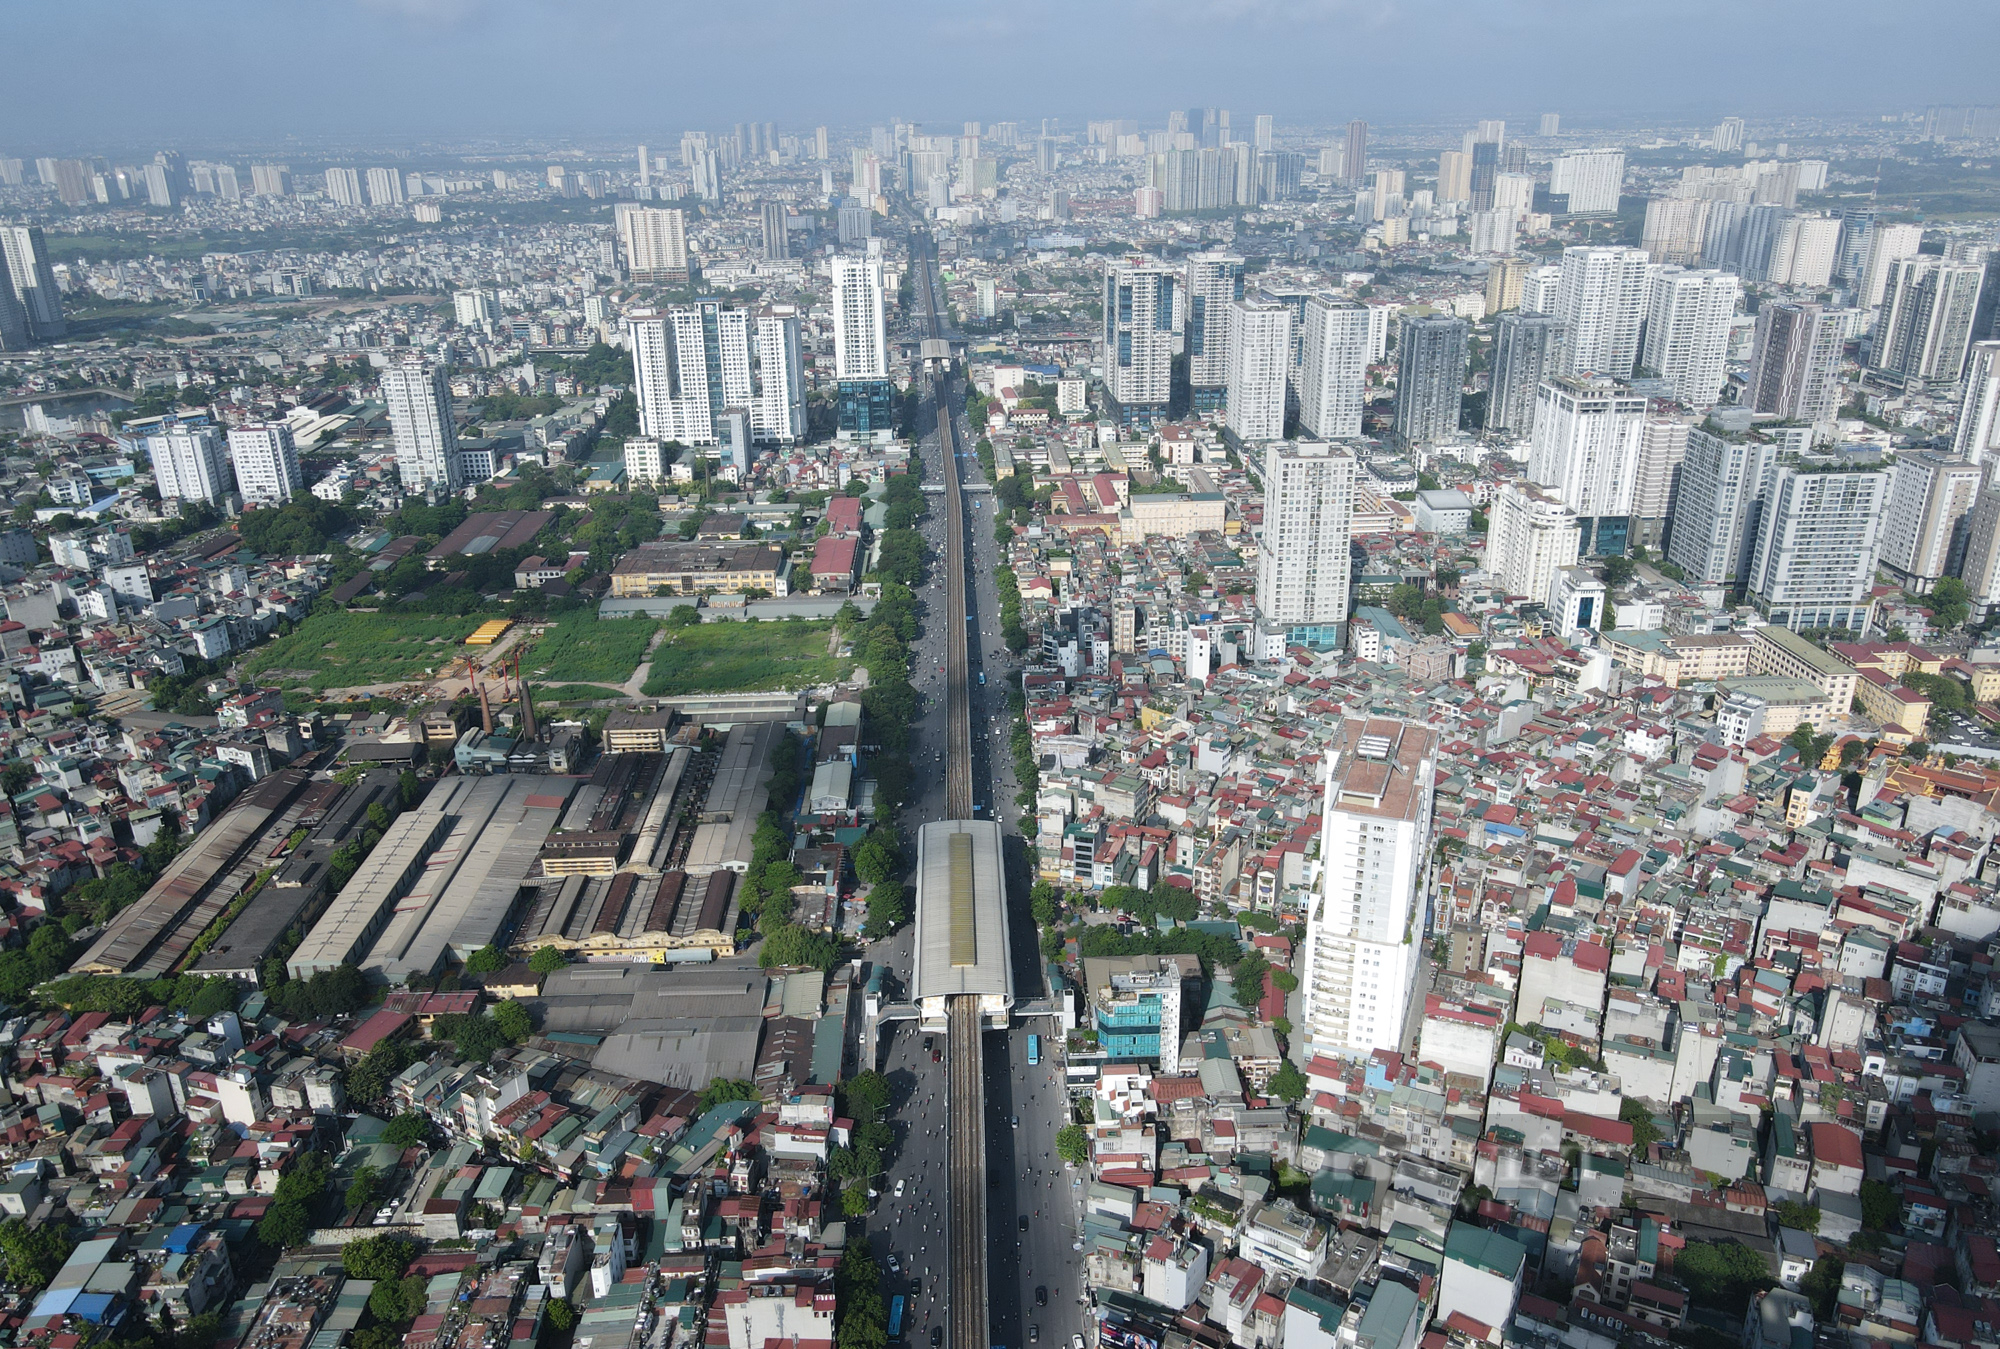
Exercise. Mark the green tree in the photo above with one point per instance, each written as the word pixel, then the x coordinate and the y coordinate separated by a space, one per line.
pixel 789 945
pixel 877 858
pixel 1821 1285
pixel 487 959
pixel 1721 1274
pixel 854 1200
pixel 1246 979
pixel 1073 1144
pixel 513 1020
pixel 723 1090
pixel 888 909
pixel 1879 1205
pixel 561 1314
pixel 1645 1132
pixel 34 1254
pixel 361 1190
pixel 1619 570
pixel 1805 1217
pixel 284 1225
pixel 378 1258
pixel 410 1129
pixel 872 1089
pixel 1288 1084
pixel 547 961
pixel 1044 903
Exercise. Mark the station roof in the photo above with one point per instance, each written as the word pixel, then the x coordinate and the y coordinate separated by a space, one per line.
pixel 961 911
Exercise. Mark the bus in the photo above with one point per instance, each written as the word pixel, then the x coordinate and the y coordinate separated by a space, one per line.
pixel 1034 1050
pixel 896 1317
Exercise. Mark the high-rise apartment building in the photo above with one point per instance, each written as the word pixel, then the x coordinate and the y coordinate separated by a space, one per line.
pixel 1526 350
pixel 1214 285
pixel 1674 229
pixel 266 463
pixel 1551 124
pixel 1662 449
pixel 1728 136
pixel 1431 360
pixel 777 233
pixel 1591 180
pixel 1260 358
pixel 188 464
pixel 1687 331
pixel 693 363
pixel 343 187
pixel 860 341
pixel 1485 169
pixel 1587 438
pixel 1795 363
pixel 13 318
pixel 1503 284
pixel 421 426
pixel 1817 545
pixel 1355 159
pixel 1930 495
pixel 1804 252
pixel 1981 568
pixel 1601 297
pixel 475 308
pixel 385 187
pixel 1539 288
pixel 1265 131
pixel 1333 366
pixel 1925 325
pixel 1887 244
pixel 1531 536
pixel 653 241
pixel 1144 308
pixel 1302 558
pixel 1718 505
pixel 1454 176
pixel 1365 934
pixel 1977 439
pixel 270 180
pixel 25 254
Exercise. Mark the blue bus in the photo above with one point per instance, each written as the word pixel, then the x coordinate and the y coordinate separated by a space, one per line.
pixel 896 1317
pixel 1034 1050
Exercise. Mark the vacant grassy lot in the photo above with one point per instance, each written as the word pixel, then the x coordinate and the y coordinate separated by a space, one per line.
pixel 743 658
pixel 573 693
pixel 341 650
pixel 583 647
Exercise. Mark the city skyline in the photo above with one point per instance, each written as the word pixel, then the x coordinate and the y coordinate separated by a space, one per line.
pixel 415 68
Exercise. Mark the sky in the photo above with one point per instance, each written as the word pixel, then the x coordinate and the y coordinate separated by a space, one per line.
pixel 144 73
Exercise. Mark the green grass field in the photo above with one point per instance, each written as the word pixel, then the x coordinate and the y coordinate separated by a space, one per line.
pixel 573 693
pixel 584 648
pixel 744 658
pixel 344 649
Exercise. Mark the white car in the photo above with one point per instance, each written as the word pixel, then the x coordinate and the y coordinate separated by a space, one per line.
pixel 899 1189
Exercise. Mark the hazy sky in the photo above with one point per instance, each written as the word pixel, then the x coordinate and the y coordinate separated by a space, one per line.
pixel 87 75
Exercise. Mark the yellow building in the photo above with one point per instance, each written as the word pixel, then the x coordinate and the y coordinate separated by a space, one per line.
pixel 1902 712
pixel 725 566
pixel 1777 650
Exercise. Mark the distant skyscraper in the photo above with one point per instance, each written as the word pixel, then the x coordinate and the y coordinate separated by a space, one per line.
pixel 1718 505
pixel 1526 349
pixel 1591 180
pixel 1925 325
pixel 1144 307
pixel 1214 284
pixel 1431 362
pixel 1260 357
pixel 1804 252
pixel 819 144
pixel 266 462
pixel 856 224
pixel 1687 332
pixel 1817 543
pixel 653 240
pixel 1587 438
pixel 860 334
pixel 26 255
pixel 1503 284
pixel 1485 169
pixel 1532 536
pixel 343 187
pixel 270 180
pixel 1978 436
pixel 1264 131
pixel 1887 244
pixel 1981 569
pixel 188 464
pixel 1551 123
pixel 1662 450
pixel 1302 558
pixel 1728 137
pixel 1929 496
pixel 421 426
pixel 777 241
pixel 1674 229
pixel 1333 366
pixel 694 363
pixel 13 318
pixel 1601 298
pixel 1365 932
pixel 1355 160
pixel 1454 176
pixel 385 187
pixel 1795 363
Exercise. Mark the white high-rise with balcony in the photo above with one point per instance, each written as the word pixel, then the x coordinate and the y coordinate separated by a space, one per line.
pixel 1601 296
pixel 1302 558
pixel 860 335
pixel 1586 443
pixel 1144 304
pixel 653 241
pixel 1260 359
pixel 343 187
pixel 1365 932
pixel 693 362
pixel 1333 366
pixel 1214 283
pixel 188 464
pixel 1532 537
pixel 1978 436
pixel 385 187
pixel 1687 331
pixel 421 426
pixel 266 462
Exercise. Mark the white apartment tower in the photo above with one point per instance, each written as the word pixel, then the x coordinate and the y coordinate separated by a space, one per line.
pixel 1587 438
pixel 188 464
pixel 1302 558
pixel 1214 283
pixel 1978 435
pixel 1718 505
pixel 1795 363
pixel 1143 309
pixel 1365 934
pixel 266 462
pixel 1591 180
pixel 860 337
pixel 1817 544
pixel 653 241
pixel 1687 331
pixel 25 255
pixel 1886 244
pixel 1929 495
pixel 1333 366
pixel 1601 297
pixel 385 187
pixel 475 308
pixel 420 423
pixel 343 186
pixel 1532 537
pixel 1260 358
pixel 1981 570
pixel 693 362
pixel 1926 321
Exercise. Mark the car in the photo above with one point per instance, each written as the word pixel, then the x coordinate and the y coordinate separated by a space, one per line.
pixel 1041 1295
pixel 916 1287
pixel 1017 1121
pixel 1034 1334
pixel 1024 1222
pixel 899 1191
pixel 895 1263
pixel 1076 1342
pixel 937 1336
pixel 928 1042
pixel 936 1057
